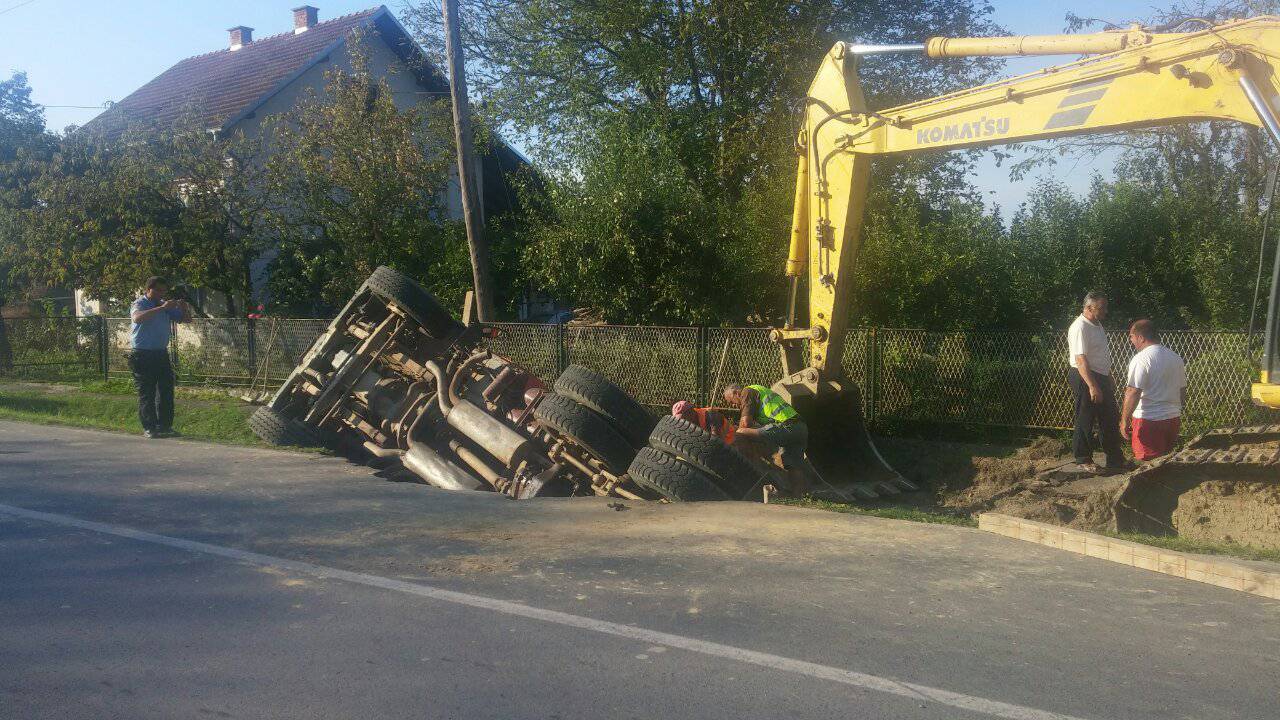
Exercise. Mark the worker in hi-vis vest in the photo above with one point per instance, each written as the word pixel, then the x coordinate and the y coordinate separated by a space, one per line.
pixel 767 418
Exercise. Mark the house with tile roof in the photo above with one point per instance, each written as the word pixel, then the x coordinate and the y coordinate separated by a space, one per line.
pixel 236 88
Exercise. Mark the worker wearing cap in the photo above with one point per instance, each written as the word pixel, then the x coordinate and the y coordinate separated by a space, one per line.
pixel 767 418
pixel 709 419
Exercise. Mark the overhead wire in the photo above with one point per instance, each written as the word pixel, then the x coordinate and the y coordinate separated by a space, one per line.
pixel 15 7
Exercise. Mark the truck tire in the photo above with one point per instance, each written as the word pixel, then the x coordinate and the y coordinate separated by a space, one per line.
pixel 276 428
pixel 731 470
pixel 586 429
pixel 589 388
pixel 401 290
pixel 673 478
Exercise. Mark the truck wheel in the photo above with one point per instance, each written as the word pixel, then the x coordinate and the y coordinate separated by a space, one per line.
pixel 731 470
pixel 401 290
pixel 276 428
pixel 672 478
pixel 589 388
pixel 586 429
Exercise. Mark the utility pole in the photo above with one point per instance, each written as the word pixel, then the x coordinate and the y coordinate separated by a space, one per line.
pixel 471 214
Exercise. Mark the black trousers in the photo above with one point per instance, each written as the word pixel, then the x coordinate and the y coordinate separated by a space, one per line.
pixel 153 375
pixel 1105 414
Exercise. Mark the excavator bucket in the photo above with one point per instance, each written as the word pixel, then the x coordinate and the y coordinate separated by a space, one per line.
pixel 1223 486
pixel 841 449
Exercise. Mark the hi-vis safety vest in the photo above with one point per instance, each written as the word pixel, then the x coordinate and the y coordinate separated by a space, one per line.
pixel 773 409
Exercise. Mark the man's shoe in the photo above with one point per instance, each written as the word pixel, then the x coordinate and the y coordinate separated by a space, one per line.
pixel 170 432
pixel 150 434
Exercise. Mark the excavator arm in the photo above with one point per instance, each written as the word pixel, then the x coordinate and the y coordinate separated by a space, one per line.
pixel 1141 79
pixel 1225 73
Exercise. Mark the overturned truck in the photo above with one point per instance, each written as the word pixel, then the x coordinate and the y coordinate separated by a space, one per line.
pixel 395 377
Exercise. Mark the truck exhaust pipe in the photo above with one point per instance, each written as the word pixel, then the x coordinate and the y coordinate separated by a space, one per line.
pixel 491 434
pixel 437 471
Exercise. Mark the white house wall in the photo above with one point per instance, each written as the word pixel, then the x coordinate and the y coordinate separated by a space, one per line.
pixel 383 62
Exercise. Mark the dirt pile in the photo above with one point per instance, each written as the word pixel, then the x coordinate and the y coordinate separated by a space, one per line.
pixel 1025 484
pixel 1227 511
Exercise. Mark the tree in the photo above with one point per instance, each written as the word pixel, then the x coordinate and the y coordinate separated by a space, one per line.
pixel 176 201
pixel 1179 259
pixel 24 145
pixel 645 255
pixel 930 267
pixel 358 182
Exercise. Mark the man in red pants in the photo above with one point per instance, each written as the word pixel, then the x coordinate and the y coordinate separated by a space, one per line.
pixel 1152 413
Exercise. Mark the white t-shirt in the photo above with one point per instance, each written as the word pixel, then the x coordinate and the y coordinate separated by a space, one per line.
pixel 1090 340
pixel 1160 374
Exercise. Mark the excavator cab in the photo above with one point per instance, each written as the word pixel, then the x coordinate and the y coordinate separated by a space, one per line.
pixel 1129 79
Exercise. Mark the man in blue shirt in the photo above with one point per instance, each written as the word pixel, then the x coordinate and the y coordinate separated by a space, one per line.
pixel 152 316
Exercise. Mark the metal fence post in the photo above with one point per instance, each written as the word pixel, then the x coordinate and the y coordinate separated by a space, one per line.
pixel 562 359
pixel 873 376
pixel 701 360
pixel 251 336
pixel 104 362
pixel 173 348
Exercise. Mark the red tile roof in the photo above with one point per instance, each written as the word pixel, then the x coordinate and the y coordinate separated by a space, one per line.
pixel 222 86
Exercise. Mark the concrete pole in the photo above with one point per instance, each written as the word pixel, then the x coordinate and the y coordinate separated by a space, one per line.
pixel 471 213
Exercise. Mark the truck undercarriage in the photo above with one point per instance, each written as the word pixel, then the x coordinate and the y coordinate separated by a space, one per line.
pixel 395 377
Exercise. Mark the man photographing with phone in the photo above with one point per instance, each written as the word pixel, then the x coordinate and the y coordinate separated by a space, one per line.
pixel 152 315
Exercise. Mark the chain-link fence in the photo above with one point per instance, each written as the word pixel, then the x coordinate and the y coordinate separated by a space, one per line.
pixel 998 378
pixel 224 351
pixel 655 365
pixel 1019 379
pixel 51 348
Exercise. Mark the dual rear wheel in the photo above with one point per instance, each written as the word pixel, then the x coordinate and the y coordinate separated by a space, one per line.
pixel 685 462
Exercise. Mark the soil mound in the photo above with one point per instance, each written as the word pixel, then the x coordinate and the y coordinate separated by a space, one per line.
pixel 1031 483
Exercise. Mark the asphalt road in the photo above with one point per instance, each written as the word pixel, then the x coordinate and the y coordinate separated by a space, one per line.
pixel 163 579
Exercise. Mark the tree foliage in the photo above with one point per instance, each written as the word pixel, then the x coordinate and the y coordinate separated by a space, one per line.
pixel 666 130
pixel 114 209
pixel 345 181
pixel 24 147
pixel 360 182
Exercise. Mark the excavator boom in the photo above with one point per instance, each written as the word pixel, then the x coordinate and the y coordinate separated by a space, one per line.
pixel 1130 79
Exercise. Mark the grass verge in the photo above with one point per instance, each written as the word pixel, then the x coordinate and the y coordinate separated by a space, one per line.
pixel 892 513
pixel 113 406
pixel 1201 547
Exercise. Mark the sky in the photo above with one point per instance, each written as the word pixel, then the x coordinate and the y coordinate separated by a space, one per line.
pixel 79 54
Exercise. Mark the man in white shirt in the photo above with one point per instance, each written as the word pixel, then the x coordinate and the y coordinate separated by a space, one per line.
pixel 1157 390
pixel 1095 391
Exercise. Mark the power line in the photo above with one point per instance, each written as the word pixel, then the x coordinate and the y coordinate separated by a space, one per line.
pixel 15 7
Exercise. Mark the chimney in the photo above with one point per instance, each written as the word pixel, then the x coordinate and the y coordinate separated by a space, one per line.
pixel 240 36
pixel 304 18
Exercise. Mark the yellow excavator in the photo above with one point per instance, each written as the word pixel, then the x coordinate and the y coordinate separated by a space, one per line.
pixel 1128 79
